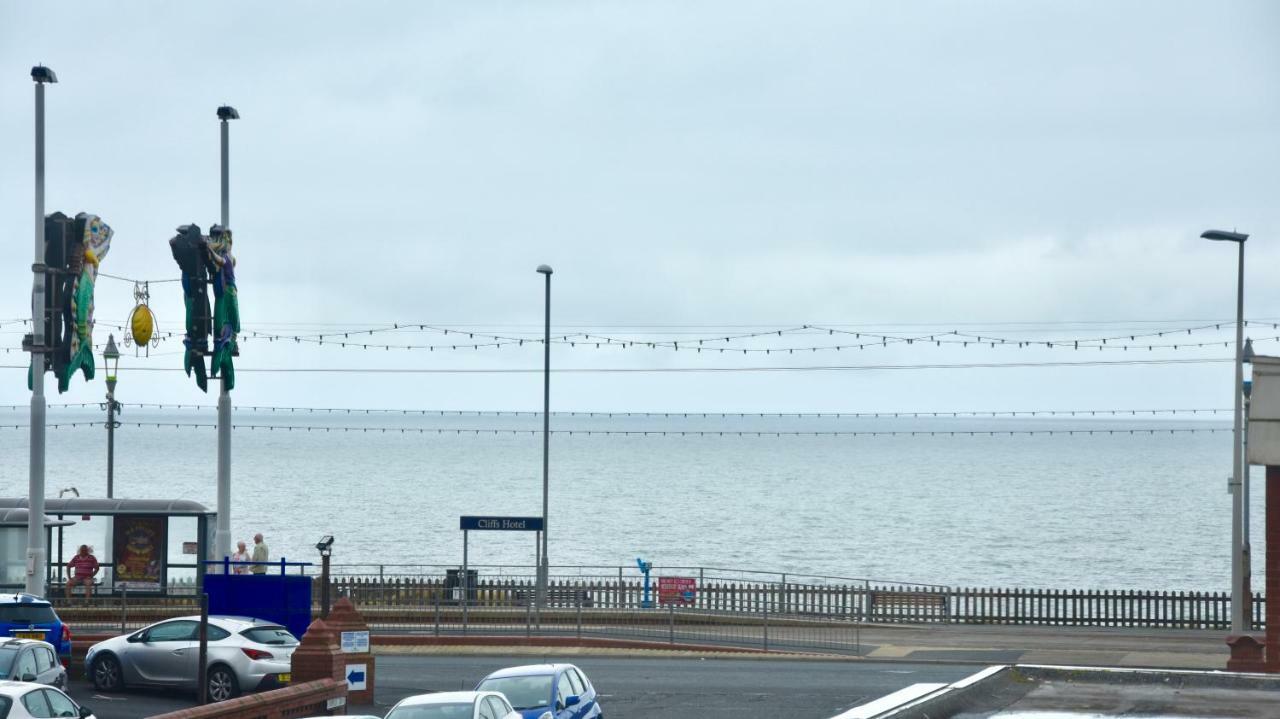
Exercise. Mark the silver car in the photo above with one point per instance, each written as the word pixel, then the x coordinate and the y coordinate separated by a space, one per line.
pixel 244 655
pixel 31 660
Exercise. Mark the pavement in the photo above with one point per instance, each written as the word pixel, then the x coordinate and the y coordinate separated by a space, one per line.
pixel 1076 646
pixel 972 644
pixel 653 680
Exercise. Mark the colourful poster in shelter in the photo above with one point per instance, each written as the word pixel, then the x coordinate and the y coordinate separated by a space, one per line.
pixel 140 553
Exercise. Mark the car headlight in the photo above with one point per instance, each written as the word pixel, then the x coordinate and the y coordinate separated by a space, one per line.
pixel 547 715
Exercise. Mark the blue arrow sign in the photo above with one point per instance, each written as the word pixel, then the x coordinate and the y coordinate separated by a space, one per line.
pixel 355 677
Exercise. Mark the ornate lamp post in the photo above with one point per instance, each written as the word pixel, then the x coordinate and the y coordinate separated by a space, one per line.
pixel 111 362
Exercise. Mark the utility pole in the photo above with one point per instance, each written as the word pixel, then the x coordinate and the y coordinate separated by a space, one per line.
pixel 39 350
pixel 222 535
pixel 544 566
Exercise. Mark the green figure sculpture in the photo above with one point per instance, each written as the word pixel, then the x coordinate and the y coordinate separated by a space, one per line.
pixel 77 246
pixel 226 305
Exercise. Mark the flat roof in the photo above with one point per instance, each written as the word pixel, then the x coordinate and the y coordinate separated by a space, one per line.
pixel 112 507
pixel 18 518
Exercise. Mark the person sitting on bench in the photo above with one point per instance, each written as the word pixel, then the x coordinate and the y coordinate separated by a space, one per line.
pixel 84 567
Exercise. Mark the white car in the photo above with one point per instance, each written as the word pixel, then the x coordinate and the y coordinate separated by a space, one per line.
pixel 454 705
pixel 25 700
pixel 244 655
pixel 31 660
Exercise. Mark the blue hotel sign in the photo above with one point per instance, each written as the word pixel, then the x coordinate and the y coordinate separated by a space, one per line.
pixel 504 524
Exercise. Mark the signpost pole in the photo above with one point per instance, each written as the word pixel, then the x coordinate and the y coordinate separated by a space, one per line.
pixel 202 669
pixel 463 582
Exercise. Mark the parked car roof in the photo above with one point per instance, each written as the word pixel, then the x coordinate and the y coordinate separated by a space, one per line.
pixel 21 598
pixel 528 670
pixel 19 643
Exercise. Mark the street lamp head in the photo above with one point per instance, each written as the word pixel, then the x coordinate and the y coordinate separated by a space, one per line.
pixel 111 358
pixel 40 73
pixel 544 269
pixel 227 112
pixel 325 545
pixel 1224 236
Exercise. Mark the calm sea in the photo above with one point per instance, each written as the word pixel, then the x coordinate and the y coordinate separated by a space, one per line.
pixel 1086 510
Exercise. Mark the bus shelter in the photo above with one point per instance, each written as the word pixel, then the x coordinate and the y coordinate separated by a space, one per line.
pixel 145 546
pixel 13 546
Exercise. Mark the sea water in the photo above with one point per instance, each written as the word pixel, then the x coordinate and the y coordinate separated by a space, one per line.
pixel 1109 509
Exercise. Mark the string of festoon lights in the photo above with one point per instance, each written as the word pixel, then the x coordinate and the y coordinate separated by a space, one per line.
pixel 478 431
pixel 725 343
pixel 732 343
pixel 369 411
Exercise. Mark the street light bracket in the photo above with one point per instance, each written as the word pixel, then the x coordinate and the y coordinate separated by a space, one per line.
pixel 40 73
pixel 1224 236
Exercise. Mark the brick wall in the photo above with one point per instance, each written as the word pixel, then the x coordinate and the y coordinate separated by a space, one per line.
pixel 300 700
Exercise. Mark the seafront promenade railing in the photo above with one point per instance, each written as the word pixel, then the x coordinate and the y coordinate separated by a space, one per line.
pixel 727 608
pixel 794 595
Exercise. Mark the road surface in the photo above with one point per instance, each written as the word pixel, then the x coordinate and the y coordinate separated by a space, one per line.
pixel 630 688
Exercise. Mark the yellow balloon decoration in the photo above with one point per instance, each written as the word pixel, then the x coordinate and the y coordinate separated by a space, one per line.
pixel 143 324
pixel 141 332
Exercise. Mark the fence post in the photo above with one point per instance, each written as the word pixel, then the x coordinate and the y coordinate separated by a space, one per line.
pixel 528 616
pixel 579 603
pixel 622 602
pixel 785 602
pixel 124 606
pixel 437 595
pixel 671 621
pixel 766 622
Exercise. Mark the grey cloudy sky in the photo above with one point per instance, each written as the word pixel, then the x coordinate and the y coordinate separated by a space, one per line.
pixel 709 164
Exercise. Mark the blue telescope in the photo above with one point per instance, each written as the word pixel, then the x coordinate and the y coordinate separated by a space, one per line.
pixel 645 603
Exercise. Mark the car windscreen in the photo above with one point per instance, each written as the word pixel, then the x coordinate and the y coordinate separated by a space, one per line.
pixel 27 613
pixel 432 711
pixel 269 635
pixel 527 692
pixel 7 655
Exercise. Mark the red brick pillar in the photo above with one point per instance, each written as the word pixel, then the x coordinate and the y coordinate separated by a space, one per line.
pixel 318 655
pixel 1273 568
pixel 356 651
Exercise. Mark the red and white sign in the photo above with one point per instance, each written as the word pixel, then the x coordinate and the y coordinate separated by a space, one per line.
pixel 677 590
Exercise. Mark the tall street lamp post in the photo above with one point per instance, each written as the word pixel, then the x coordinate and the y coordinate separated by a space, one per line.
pixel 1239 595
pixel 111 363
pixel 222 535
pixel 40 345
pixel 544 566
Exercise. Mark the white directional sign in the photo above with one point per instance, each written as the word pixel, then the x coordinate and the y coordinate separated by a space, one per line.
pixel 356 677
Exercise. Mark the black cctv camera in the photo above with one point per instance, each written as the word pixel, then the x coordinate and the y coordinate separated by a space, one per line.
pixel 325 545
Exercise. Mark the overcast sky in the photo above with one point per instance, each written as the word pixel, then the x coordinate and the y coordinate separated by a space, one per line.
pixel 690 166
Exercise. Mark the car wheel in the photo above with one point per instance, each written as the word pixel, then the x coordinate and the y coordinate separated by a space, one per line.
pixel 222 684
pixel 106 674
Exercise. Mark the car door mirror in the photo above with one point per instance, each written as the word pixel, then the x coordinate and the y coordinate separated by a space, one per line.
pixel 572 700
pixel 85 712
pixel 28 677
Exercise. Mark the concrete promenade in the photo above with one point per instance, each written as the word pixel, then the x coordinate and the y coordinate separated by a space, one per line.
pixel 1173 649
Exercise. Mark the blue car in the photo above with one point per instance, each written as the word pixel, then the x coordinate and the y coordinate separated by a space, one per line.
pixel 29 617
pixel 546 691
